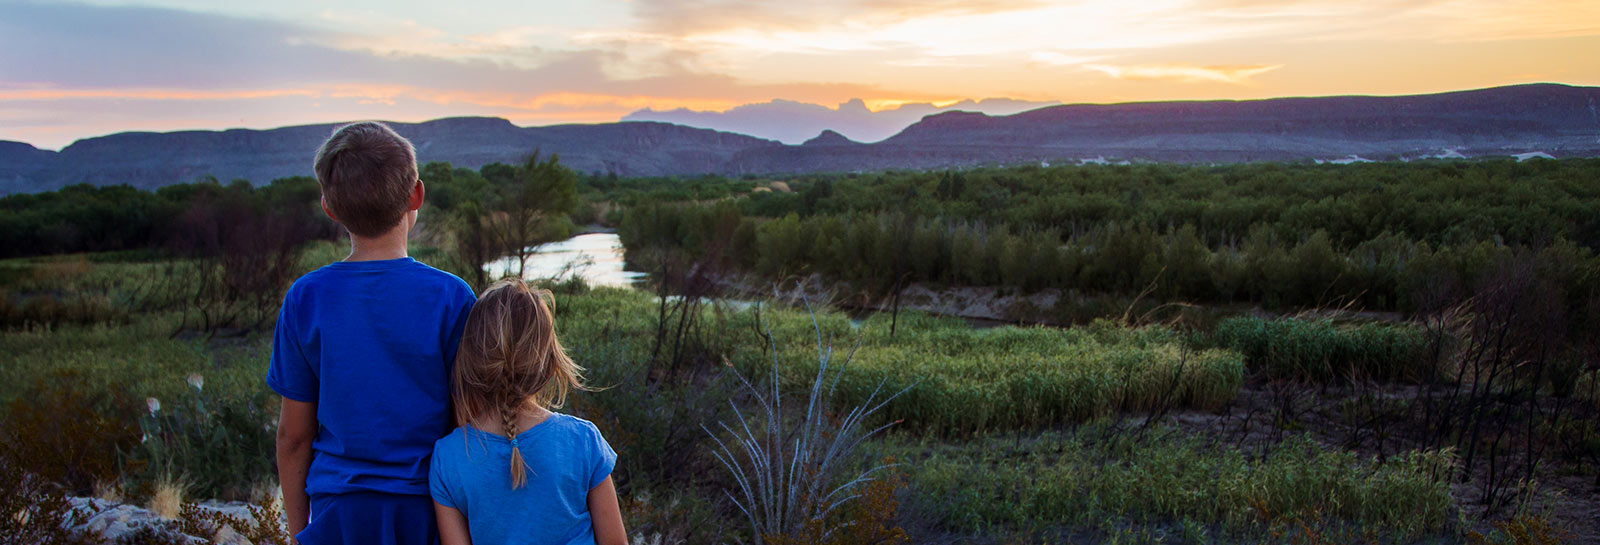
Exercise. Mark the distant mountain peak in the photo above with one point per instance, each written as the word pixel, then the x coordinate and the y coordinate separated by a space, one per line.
pixel 829 138
pixel 793 122
pixel 854 106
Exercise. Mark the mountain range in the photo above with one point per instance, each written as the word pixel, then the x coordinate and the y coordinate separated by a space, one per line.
pixel 1526 120
pixel 793 122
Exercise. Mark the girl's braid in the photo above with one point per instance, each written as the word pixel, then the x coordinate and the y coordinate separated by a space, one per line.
pixel 511 407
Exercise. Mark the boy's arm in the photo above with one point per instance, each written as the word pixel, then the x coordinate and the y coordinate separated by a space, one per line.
pixel 606 515
pixel 452 526
pixel 297 428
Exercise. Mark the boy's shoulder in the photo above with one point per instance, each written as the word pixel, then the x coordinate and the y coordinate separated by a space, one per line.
pixel 444 277
pixel 410 271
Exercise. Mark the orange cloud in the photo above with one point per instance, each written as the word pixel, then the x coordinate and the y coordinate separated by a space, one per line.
pixel 1185 72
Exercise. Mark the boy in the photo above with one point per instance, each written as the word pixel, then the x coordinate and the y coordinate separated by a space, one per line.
pixel 362 355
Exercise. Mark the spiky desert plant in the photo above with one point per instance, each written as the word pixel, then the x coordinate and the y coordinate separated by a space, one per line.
pixel 791 472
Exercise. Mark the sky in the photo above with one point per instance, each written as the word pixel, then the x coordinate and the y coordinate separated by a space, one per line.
pixel 74 70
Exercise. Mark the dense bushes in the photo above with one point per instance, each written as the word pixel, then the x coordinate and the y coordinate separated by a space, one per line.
pixel 85 218
pixel 1384 237
pixel 876 251
pixel 1441 203
pixel 1320 350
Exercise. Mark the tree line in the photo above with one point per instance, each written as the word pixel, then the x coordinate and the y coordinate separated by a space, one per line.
pixel 470 216
pixel 1450 202
pixel 1387 237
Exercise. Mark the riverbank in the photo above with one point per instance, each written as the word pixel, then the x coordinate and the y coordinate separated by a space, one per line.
pixel 993 306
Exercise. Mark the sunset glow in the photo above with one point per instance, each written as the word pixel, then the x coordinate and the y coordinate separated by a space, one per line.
pixel 74 70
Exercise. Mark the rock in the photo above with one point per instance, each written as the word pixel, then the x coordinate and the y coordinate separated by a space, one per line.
pixel 111 520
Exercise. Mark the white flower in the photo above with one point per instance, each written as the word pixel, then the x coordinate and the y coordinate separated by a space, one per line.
pixel 197 381
pixel 144 439
pixel 154 405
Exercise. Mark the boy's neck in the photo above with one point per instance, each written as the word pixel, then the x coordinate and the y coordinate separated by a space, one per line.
pixel 391 245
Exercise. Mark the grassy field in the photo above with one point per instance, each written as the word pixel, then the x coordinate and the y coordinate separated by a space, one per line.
pixel 1163 483
pixel 1005 434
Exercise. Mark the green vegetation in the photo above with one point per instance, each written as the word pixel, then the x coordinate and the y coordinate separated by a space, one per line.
pixel 140 364
pixel 1091 478
pixel 1323 351
pixel 973 380
pixel 968 381
pixel 1378 237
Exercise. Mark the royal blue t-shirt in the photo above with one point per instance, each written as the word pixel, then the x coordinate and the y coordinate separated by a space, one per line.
pixel 372 344
pixel 566 457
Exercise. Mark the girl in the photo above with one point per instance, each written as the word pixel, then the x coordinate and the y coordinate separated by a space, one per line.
pixel 509 371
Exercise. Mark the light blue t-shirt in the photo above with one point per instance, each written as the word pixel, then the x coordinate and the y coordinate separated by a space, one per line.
pixel 566 457
pixel 372 344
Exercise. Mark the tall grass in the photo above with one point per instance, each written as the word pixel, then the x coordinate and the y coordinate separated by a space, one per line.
pixel 1086 477
pixel 973 380
pixel 1319 350
pixel 968 380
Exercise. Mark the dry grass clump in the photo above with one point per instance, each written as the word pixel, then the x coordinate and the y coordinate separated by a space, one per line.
pixel 167 496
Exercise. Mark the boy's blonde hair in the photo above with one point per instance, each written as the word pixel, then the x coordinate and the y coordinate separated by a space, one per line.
pixel 510 358
pixel 367 172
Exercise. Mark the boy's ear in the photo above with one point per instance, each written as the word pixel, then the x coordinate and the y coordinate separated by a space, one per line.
pixel 325 210
pixel 417 193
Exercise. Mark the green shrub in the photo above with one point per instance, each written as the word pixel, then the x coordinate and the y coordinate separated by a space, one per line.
pixel 219 444
pixel 1319 350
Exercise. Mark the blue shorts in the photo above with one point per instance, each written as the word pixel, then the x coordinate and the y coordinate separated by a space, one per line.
pixel 370 517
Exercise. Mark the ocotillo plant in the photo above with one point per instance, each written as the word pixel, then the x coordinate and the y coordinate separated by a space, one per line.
pixel 787 471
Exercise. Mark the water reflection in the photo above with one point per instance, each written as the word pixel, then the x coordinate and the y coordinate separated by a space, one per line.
pixel 595 257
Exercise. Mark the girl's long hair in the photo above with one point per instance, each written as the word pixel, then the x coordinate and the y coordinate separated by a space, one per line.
pixel 509 360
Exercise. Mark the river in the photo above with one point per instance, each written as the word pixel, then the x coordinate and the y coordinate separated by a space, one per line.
pixel 597 258
pixel 594 257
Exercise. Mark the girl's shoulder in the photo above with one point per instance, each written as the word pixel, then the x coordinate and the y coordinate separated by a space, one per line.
pixel 572 424
pixel 576 432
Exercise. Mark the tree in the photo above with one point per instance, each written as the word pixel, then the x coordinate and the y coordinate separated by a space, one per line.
pixel 528 205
